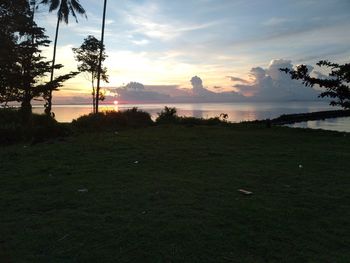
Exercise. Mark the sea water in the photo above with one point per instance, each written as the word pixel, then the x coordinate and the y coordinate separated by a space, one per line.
pixel 237 111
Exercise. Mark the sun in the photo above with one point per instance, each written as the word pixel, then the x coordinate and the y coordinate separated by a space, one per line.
pixel 115 102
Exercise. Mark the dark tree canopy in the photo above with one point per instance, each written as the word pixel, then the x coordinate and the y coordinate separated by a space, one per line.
pixel 336 85
pixel 22 67
pixel 14 16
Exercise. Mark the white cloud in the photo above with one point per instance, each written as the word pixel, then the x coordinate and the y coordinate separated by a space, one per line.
pixel 140 42
pixel 154 24
pixel 272 84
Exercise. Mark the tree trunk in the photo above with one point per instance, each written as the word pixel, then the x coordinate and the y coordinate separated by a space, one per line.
pixel 49 97
pixel 93 97
pixel 100 59
pixel 26 108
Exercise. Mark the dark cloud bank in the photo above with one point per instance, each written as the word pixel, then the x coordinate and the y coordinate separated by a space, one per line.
pixel 263 84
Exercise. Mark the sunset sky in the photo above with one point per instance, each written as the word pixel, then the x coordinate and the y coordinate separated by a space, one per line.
pixel 163 42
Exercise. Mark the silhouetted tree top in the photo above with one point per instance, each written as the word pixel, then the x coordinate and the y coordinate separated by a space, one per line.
pixel 88 55
pixel 65 8
pixel 336 85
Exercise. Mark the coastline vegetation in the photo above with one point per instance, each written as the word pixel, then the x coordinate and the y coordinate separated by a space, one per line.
pixel 39 128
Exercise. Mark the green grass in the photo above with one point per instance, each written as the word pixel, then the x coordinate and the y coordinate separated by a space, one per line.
pixel 180 202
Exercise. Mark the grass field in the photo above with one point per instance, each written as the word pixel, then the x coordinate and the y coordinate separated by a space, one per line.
pixel 170 194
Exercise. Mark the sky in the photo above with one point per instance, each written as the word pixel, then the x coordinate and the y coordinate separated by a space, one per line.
pixel 166 43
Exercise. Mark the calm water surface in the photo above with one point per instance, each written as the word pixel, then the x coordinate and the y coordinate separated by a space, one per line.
pixel 335 124
pixel 237 112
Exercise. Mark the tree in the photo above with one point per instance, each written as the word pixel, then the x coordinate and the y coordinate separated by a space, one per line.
pixel 65 9
pixel 101 55
pixel 24 68
pixel 12 15
pixel 336 85
pixel 88 55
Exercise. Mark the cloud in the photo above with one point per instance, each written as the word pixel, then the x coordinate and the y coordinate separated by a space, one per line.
pixel 235 79
pixel 135 92
pixel 272 84
pixel 319 75
pixel 274 21
pixel 134 86
pixel 138 93
pixel 201 94
pixel 197 87
pixel 140 42
pixel 171 90
pixel 162 30
pixel 155 25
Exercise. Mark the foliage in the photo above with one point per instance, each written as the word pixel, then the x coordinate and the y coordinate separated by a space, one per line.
pixel 65 8
pixel 169 116
pixel 137 118
pixel 113 120
pixel 88 57
pixel 14 16
pixel 8 115
pixel 22 71
pixel 201 121
pixel 336 85
pixel 38 127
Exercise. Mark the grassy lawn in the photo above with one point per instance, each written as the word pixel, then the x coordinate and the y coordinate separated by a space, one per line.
pixel 169 194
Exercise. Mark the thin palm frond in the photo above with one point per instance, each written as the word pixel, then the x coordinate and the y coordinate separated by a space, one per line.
pixel 53 4
pixel 65 9
pixel 77 7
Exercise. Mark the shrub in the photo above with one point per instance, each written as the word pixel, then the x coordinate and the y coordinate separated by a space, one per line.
pixel 9 115
pixel 38 128
pixel 200 121
pixel 112 120
pixel 11 133
pixel 43 127
pixel 100 121
pixel 167 116
pixel 137 118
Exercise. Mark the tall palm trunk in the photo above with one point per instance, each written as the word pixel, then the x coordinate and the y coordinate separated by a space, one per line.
pixel 100 59
pixel 49 97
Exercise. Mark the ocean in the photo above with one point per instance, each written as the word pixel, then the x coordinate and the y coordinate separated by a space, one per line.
pixel 237 111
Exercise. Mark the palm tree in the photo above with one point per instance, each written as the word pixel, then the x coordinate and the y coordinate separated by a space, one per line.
pixel 101 56
pixel 65 9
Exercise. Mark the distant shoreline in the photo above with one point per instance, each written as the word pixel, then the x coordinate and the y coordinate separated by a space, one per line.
pixel 170 103
pixel 311 116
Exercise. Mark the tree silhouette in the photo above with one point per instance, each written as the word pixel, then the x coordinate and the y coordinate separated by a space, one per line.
pixel 64 8
pixel 88 55
pixel 337 84
pixel 23 68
